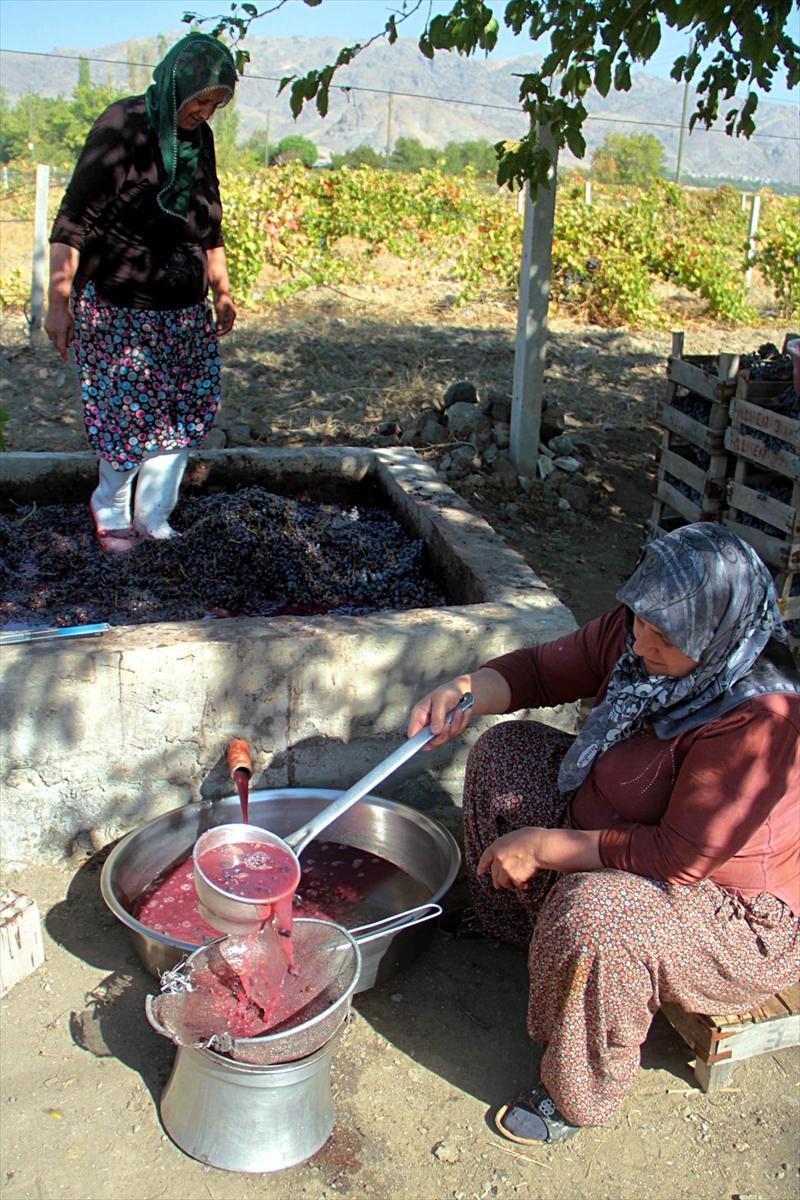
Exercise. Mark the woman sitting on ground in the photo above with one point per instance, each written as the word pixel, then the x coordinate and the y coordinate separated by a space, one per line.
pixel 654 857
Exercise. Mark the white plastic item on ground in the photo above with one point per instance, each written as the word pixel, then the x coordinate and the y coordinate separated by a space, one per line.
pixel 21 948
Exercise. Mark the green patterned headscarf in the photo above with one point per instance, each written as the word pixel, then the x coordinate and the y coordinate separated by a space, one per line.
pixel 194 65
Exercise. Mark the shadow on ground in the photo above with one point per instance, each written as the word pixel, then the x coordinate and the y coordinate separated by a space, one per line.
pixel 460 1012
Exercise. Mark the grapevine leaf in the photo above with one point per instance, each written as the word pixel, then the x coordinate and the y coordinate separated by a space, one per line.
pixel 576 141
pixel 602 73
pixel 583 81
pixel 622 76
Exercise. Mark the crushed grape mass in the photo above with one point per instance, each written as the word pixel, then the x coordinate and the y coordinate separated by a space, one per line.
pixel 246 553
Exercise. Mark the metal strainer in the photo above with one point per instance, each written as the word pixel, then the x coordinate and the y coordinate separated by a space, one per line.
pixel 237 996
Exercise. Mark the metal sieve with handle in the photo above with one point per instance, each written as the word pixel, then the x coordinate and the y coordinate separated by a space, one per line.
pixel 305 1009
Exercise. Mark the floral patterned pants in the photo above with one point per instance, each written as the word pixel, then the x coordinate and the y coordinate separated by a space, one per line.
pixel 607 948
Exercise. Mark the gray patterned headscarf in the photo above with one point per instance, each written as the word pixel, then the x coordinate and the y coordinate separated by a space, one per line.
pixel 712 596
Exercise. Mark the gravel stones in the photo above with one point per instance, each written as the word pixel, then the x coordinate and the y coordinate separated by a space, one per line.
pixel 462 392
pixel 246 553
pixel 464 419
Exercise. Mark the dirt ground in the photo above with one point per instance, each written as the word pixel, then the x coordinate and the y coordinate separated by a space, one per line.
pixel 430 1054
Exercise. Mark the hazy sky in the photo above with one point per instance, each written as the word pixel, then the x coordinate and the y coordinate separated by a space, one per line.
pixel 44 25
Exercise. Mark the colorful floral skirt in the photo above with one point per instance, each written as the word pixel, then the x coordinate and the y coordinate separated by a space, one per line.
pixel 150 378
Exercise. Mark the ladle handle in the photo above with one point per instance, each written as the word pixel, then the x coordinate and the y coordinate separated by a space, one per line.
pixel 396 923
pixel 306 833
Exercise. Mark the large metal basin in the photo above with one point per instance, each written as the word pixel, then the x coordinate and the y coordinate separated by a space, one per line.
pixel 425 853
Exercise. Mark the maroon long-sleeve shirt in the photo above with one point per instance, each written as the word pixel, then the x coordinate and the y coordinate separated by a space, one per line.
pixel 720 802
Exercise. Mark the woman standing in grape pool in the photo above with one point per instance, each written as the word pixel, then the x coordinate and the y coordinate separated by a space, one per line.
pixel 135 247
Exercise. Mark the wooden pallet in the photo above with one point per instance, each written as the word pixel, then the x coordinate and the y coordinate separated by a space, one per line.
pixel 720 1042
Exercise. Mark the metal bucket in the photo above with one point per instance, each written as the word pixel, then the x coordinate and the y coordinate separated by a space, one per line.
pixel 425 853
pixel 241 1117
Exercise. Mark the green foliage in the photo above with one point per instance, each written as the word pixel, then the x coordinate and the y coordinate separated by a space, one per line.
pixel 478 156
pixel 597 44
pixel 779 255
pixel 359 156
pixel 409 154
pixel 46 130
pixel 605 256
pixel 294 147
pixel 14 292
pixel 225 125
pixel 13 131
pixel 701 243
pixel 634 158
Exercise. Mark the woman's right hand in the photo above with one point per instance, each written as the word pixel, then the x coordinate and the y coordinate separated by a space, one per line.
pixel 434 709
pixel 59 326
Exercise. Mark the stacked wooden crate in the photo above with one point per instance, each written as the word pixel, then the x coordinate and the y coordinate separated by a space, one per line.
pixel 763 495
pixel 693 462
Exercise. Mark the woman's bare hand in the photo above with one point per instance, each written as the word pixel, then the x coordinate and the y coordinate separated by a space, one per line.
pixel 225 313
pixel 435 708
pixel 513 858
pixel 60 327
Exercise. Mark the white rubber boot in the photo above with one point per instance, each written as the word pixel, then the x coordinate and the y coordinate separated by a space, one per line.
pixel 157 493
pixel 111 499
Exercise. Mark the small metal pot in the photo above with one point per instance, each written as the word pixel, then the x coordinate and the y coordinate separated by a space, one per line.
pixel 221 908
pixel 420 847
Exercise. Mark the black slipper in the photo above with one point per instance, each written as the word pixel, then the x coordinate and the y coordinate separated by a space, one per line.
pixel 533 1118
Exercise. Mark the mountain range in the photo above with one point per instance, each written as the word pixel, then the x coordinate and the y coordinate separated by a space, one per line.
pixel 393 91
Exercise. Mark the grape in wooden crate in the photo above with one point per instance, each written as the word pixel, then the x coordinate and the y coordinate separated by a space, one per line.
pixel 763 497
pixel 764 494
pixel 693 463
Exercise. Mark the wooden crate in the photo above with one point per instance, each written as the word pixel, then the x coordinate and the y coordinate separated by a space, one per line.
pixel 707 483
pixel 762 392
pixel 748 495
pixel 788 589
pixel 708 375
pixel 720 1042
pixel 665 517
pixel 708 436
pixel 748 416
pixel 21 948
